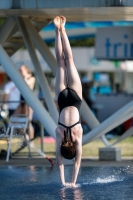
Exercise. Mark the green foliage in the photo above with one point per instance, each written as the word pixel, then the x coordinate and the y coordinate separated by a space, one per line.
pixel 82 42
pixel 2 20
pixel 86 42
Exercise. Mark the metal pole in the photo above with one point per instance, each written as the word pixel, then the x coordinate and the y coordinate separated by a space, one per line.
pixel 116 123
pixel 86 112
pixel 6 29
pixel 42 137
pixel 13 31
pixel 101 128
pixel 42 47
pixel 40 75
pixel 27 93
pixel 91 120
pixel 48 56
pixel 128 133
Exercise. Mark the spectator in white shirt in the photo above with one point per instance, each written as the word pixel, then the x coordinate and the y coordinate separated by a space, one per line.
pixel 11 93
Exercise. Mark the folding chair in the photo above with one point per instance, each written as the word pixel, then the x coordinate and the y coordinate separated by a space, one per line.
pixel 16 122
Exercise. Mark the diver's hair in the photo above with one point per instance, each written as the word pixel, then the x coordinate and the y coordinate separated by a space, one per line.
pixel 68 149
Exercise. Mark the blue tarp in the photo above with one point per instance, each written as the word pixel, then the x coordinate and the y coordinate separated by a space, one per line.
pixel 77 25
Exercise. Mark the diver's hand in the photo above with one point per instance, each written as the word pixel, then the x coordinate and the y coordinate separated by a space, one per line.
pixel 72 184
pixel 66 184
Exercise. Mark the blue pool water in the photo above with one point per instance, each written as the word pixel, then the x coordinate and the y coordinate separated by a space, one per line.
pixel 42 183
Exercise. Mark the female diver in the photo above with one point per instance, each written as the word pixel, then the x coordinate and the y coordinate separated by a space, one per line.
pixel 69 92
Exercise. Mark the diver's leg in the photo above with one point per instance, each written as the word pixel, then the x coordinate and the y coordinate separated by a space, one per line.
pixel 73 77
pixel 61 69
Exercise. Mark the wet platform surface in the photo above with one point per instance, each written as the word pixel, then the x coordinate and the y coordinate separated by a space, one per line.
pixel 43 182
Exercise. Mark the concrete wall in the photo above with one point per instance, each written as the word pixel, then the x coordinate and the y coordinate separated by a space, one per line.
pixel 84 59
pixel 111 103
pixel 127 2
pixel 27 4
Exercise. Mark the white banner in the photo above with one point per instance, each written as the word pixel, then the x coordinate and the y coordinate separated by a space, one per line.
pixel 115 43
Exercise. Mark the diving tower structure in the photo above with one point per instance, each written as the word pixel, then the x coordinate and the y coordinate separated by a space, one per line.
pixel 22 21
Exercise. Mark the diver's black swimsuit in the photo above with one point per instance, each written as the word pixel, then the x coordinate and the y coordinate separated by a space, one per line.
pixel 68 97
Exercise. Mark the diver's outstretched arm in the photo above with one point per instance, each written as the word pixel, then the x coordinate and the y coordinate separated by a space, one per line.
pixel 59 158
pixel 77 161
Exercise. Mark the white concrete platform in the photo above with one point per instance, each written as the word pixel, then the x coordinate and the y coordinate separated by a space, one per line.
pixel 111 154
pixel 90 10
pixel 26 4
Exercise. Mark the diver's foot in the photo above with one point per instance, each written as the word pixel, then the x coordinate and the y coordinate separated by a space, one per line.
pixel 57 22
pixel 62 22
